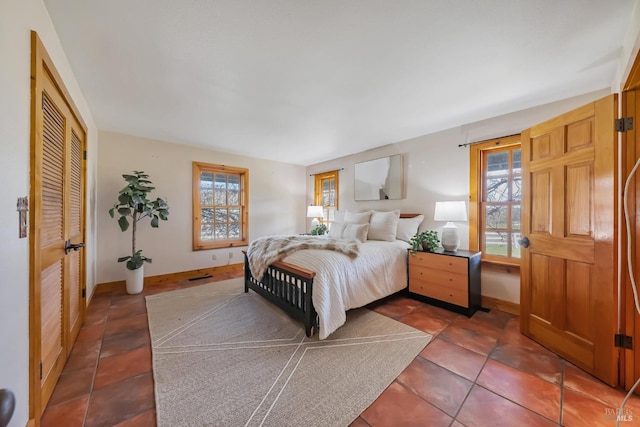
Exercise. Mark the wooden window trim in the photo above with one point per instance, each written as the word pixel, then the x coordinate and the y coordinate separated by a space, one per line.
pixel 317 193
pixel 476 192
pixel 198 168
pixel 503 267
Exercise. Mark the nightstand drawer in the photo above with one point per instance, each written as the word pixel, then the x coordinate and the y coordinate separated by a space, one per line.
pixel 453 295
pixel 449 280
pixel 454 280
pixel 439 262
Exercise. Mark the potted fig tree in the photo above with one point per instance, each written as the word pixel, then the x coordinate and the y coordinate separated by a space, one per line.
pixel 133 206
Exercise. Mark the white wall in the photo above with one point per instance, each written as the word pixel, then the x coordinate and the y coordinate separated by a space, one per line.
pixel 630 49
pixel 17 19
pixel 276 203
pixel 436 169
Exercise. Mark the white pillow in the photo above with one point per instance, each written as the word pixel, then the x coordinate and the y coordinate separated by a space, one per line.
pixel 357 218
pixel 336 229
pixel 408 227
pixel 384 225
pixel 342 230
pixel 355 231
pixel 338 216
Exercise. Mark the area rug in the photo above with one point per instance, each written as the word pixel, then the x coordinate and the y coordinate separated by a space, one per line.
pixel 222 357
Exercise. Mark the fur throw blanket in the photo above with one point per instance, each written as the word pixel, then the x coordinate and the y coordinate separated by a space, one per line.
pixel 264 251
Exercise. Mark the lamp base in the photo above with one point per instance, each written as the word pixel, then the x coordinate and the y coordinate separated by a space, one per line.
pixel 314 223
pixel 450 238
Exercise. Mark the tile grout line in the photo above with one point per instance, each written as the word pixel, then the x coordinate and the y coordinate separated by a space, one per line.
pixel 401 384
pixel 515 403
pixel 97 365
pixel 396 380
pixel 453 418
pixel 90 392
pixel 474 382
pixel 506 398
pixel 562 390
pixel 95 369
pixel 499 395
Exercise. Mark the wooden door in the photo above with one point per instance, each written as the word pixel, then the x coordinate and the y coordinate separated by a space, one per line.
pixel 57 223
pixel 568 272
pixel 630 368
pixel 74 221
pixel 630 248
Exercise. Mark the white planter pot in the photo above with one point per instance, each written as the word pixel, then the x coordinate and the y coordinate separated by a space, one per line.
pixel 135 280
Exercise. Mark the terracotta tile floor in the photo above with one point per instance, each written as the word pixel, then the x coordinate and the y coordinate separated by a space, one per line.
pixel 477 371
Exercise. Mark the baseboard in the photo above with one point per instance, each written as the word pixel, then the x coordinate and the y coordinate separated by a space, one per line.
pixel 171 277
pixel 502 305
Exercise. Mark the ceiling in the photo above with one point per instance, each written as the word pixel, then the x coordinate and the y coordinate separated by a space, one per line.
pixel 303 81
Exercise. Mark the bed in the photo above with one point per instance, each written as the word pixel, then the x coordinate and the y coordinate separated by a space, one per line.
pixel 318 286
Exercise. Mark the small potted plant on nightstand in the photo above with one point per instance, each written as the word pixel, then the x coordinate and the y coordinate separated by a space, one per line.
pixel 427 240
pixel 319 230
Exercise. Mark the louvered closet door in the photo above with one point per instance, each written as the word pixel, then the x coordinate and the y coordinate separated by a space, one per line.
pixel 59 210
pixel 53 354
pixel 75 282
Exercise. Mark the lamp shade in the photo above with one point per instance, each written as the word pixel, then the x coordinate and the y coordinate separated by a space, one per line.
pixel 315 212
pixel 450 211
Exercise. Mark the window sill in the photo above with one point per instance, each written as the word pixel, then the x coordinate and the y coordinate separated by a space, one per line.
pixel 220 245
pixel 501 267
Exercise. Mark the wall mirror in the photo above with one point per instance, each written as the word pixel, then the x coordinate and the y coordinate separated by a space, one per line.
pixel 379 179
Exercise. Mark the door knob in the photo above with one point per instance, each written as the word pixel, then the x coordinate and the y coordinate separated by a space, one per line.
pixel 68 246
pixel 524 242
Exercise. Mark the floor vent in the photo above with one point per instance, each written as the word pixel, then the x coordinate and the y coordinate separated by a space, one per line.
pixel 206 276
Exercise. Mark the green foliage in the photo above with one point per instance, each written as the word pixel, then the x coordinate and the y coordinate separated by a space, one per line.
pixel 427 240
pixel 319 230
pixel 135 261
pixel 132 206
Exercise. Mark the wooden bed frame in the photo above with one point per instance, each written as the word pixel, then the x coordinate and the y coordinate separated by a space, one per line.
pixel 289 287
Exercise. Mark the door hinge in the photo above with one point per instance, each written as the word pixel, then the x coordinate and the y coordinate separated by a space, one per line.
pixel 624 124
pixel 84 292
pixel 41 370
pixel 84 155
pixel 623 341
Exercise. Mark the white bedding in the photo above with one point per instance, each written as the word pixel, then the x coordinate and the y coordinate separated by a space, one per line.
pixel 342 283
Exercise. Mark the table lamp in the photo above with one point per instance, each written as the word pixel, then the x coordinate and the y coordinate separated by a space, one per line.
pixel 450 212
pixel 315 212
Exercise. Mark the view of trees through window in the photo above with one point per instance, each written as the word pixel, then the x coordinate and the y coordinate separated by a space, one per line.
pixel 329 198
pixel 326 195
pixel 501 202
pixel 220 206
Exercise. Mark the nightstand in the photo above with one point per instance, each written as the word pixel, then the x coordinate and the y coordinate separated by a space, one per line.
pixel 447 279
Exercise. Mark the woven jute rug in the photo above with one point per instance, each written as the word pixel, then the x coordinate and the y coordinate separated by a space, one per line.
pixel 222 357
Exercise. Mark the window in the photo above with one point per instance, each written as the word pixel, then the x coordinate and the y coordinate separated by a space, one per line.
pixel 326 195
pixel 495 196
pixel 220 206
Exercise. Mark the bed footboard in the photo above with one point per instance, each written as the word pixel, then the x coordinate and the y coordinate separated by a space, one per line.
pixel 289 287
